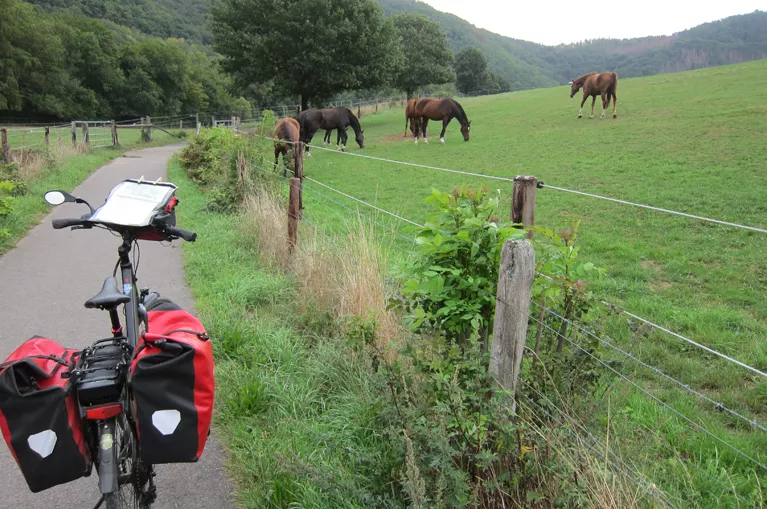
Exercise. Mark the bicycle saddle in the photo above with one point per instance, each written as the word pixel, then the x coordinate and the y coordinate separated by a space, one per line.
pixel 110 296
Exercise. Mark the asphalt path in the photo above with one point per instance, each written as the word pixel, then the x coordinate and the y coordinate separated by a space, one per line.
pixel 44 282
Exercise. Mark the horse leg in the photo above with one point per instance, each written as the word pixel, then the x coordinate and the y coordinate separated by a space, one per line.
pixel 416 129
pixel 593 102
pixel 424 125
pixel 307 142
pixel 605 105
pixel 344 140
pixel 580 112
pixel 411 126
pixel 615 105
pixel 445 121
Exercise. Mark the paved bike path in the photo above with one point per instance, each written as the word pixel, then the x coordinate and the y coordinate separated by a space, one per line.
pixel 44 282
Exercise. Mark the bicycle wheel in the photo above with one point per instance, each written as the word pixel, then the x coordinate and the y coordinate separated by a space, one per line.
pixel 135 486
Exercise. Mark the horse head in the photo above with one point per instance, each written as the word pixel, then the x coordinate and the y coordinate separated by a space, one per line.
pixel 465 128
pixel 574 87
pixel 360 137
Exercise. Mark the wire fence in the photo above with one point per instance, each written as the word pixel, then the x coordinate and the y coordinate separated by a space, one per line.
pixel 672 395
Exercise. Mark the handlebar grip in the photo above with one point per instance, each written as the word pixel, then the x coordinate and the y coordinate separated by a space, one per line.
pixel 58 224
pixel 180 232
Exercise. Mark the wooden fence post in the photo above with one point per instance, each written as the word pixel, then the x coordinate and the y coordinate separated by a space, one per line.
pixel 86 134
pixel 115 136
pixel 197 122
pixel 523 202
pixel 74 134
pixel 298 152
pixel 180 124
pixel 293 211
pixel 47 136
pixel 515 288
pixel 6 148
pixel 148 129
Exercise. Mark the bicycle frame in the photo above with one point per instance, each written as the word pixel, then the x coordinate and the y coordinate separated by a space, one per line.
pixel 104 427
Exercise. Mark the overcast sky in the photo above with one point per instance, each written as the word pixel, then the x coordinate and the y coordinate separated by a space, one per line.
pixel 564 21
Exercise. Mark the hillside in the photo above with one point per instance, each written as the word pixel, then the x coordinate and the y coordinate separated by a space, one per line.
pixel 525 64
pixel 161 18
pixel 529 65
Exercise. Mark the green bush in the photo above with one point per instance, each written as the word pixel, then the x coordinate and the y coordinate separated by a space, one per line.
pixel 222 162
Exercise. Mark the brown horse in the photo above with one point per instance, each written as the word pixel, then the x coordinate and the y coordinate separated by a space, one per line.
pixel 410 115
pixel 286 134
pixel 593 84
pixel 439 109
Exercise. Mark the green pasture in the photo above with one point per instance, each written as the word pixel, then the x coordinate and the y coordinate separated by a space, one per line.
pixel 694 142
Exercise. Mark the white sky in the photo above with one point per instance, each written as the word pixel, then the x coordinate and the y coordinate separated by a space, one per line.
pixel 564 21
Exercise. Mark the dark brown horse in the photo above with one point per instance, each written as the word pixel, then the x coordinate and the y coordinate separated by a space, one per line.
pixel 439 109
pixel 310 121
pixel 410 115
pixel 286 135
pixel 593 84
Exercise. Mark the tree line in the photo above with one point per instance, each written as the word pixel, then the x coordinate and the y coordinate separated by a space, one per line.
pixel 315 49
pixel 61 65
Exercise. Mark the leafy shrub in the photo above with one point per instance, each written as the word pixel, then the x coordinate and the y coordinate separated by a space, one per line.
pixel 463 446
pixel 451 286
pixel 222 161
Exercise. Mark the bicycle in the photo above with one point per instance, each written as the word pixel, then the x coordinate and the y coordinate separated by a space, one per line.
pixel 100 375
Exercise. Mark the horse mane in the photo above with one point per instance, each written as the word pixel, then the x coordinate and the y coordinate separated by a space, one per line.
pixel 462 117
pixel 582 79
pixel 355 123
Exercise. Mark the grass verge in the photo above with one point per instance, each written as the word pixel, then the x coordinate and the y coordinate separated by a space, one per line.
pixel 299 412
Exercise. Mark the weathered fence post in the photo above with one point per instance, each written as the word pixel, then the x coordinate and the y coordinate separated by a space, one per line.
pixel 74 134
pixel 298 152
pixel 148 129
pixel 197 122
pixel 515 287
pixel 6 148
pixel 293 211
pixel 115 138
pixel 523 202
pixel 180 124
pixel 86 134
pixel 47 136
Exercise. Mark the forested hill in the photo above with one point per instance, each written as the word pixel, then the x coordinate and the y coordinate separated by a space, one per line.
pixel 162 18
pixel 530 65
pixel 524 64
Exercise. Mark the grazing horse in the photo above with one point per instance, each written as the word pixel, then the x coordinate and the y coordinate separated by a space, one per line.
pixel 286 134
pixel 410 115
pixel 593 84
pixel 310 121
pixel 439 109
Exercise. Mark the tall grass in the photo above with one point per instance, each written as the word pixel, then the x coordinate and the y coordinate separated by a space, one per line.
pixel 307 421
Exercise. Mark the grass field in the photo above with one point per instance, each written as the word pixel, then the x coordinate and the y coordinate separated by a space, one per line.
pixel 694 142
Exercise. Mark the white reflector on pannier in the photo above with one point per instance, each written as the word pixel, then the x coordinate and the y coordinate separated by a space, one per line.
pixel 166 421
pixel 43 443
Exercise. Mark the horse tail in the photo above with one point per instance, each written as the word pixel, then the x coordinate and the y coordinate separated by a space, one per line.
pixel 613 83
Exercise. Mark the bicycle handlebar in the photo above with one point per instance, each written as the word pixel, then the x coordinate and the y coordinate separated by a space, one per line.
pixel 58 224
pixel 180 232
pixel 187 235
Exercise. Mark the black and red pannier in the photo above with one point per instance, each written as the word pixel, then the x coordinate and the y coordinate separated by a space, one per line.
pixel 39 415
pixel 173 385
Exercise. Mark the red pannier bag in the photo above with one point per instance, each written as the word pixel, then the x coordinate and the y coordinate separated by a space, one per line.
pixel 39 414
pixel 173 385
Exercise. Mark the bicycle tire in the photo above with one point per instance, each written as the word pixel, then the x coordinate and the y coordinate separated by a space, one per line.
pixel 135 487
